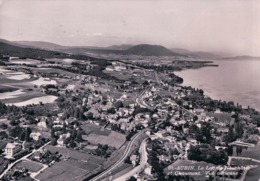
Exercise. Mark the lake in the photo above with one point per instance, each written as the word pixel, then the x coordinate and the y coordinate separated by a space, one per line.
pixel 235 80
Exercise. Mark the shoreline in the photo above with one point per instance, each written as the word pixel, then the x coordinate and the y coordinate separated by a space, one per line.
pixel 209 91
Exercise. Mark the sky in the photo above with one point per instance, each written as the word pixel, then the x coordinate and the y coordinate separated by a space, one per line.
pixel 199 25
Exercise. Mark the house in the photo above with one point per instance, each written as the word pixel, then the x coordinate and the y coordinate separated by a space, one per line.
pixel 220 147
pixel 125 112
pixel 193 142
pixel 127 126
pixel 161 133
pixel 170 139
pixel 199 111
pixel 123 120
pixel 62 138
pixel 148 170
pixel 37 155
pixel 35 136
pixel 57 123
pixel 218 111
pixel 11 149
pixel 164 158
pixel 60 142
pixel 185 130
pixel 70 121
pixel 43 123
pixel 222 130
pixel 134 159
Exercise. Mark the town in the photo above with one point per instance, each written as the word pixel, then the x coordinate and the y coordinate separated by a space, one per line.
pixel 74 117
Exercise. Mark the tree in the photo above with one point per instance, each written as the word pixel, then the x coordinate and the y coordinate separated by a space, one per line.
pixel 111 110
pixel 128 136
pixel 72 144
pixel 89 115
pixel 53 133
pixel 238 129
pixel 13 122
pixel 73 99
pixel 230 135
pixel 74 134
pixel 53 141
pixel 207 153
pixel 3 135
pixel 118 104
pixel 22 136
pixel 195 118
pixel 127 160
pixel 132 178
pixel 3 126
pixel 76 113
pixel 204 135
pixel 79 136
pixel 28 131
pixel 16 131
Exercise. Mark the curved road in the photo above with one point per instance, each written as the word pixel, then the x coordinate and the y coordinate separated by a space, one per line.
pixel 121 160
pixel 140 167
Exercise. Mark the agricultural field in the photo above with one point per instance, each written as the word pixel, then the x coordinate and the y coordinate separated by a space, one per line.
pixel 122 75
pixel 4 88
pixel 114 139
pixel 30 165
pixel 25 61
pixel 36 100
pixel 94 129
pixel 61 171
pixel 76 167
pixel 3 164
pixel 64 61
pixel 20 89
pixel 51 71
pixel 76 155
pixel 220 116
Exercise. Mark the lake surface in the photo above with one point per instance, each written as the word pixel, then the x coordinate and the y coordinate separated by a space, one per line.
pixel 235 80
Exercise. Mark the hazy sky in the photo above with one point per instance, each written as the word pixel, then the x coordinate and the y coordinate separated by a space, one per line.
pixel 214 25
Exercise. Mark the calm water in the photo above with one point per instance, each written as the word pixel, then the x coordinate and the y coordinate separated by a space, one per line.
pixel 237 81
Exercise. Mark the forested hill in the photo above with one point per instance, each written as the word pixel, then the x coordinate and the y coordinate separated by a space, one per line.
pixel 9 49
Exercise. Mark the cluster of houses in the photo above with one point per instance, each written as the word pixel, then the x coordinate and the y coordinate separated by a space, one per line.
pixel 14 150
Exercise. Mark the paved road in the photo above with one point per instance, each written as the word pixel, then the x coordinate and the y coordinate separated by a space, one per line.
pixel 140 101
pixel 140 167
pixel 121 160
pixel 23 158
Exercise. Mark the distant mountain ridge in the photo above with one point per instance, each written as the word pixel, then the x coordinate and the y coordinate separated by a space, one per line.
pixel 54 46
pixel 124 49
pixel 151 50
pixel 142 50
pixel 41 45
pixel 127 49
pixel 242 57
pixel 197 54
pixel 23 51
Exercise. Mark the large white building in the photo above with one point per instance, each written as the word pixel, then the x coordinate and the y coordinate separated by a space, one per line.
pixel 11 149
